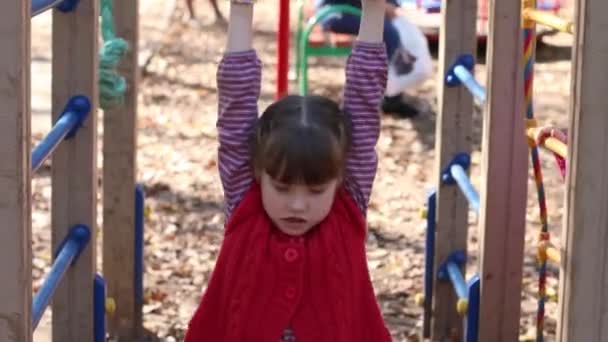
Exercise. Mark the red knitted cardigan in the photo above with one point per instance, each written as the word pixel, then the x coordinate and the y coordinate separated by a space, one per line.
pixel 264 281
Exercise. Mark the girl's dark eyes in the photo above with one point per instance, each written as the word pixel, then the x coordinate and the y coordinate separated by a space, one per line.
pixel 281 187
pixel 317 191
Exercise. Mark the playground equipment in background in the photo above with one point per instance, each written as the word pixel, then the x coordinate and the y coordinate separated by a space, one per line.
pixel 467 305
pixel 427 15
pixel 77 290
pixel 460 73
pixel 450 269
pixel 311 40
pixel 503 200
pixel 530 17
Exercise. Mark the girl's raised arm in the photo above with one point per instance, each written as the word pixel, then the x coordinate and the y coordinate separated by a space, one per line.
pixel 239 27
pixel 371 28
pixel 366 72
pixel 238 84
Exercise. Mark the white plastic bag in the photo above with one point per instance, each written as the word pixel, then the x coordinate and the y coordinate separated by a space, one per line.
pixel 412 64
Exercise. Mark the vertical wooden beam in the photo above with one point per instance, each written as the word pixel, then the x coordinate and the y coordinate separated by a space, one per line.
pixel 504 172
pixel 119 174
pixel 15 201
pixel 453 132
pixel 74 166
pixel 583 309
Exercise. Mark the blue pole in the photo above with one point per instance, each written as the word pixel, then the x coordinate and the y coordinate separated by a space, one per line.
pixel 472 325
pixel 40 6
pixel 460 286
pixel 429 260
pixel 139 245
pixel 464 183
pixel 469 81
pixel 74 243
pixel 99 308
pixel 73 115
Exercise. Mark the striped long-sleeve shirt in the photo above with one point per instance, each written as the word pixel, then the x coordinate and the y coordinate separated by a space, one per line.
pixel 239 78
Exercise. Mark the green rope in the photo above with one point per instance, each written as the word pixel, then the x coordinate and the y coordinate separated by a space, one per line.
pixel 112 86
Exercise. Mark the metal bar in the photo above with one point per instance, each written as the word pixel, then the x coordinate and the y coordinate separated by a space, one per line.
pixel 73 244
pixel 457 280
pixel 557 147
pixel 429 262
pixel 282 49
pixel 548 19
pixel 461 178
pixel 139 245
pixel 40 6
pixel 99 289
pixel 552 144
pixel 59 131
pixel 553 255
pixel 74 113
pixel 472 321
pixel 469 81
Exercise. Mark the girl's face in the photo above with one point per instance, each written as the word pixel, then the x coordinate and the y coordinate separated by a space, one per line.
pixel 296 208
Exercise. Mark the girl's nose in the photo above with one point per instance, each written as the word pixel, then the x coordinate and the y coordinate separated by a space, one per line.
pixel 297 203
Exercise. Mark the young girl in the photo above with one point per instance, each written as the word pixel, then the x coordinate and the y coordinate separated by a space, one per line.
pixel 297 181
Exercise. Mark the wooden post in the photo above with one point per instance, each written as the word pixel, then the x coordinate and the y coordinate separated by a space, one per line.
pixel 74 166
pixel 583 304
pixel 15 201
pixel 453 132
pixel 504 174
pixel 119 174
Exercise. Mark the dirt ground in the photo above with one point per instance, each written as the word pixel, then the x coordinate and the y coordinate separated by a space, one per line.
pixel 178 166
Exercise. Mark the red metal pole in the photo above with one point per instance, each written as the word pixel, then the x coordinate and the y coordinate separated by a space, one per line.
pixel 282 49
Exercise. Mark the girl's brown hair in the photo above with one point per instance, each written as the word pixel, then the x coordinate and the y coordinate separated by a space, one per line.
pixel 301 139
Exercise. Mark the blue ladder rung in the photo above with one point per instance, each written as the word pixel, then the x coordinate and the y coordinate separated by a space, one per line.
pixel 457 279
pixel 71 247
pixel 41 6
pixel 464 183
pixel 73 115
pixel 461 72
pixel 455 173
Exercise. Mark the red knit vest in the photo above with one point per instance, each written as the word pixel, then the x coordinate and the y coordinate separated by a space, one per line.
pixel 265 281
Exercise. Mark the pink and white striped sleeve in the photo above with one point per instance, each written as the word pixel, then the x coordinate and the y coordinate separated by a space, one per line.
pixel 238 83
pixel 366 73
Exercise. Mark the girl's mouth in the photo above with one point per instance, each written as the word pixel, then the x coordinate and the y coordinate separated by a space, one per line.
pixel 294 220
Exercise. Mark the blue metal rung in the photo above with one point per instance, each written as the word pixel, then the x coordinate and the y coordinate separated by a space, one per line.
pixel 73 115
pixel 455 173
pixel 74 243
pixel 99 308
pixel 429 260
pixel 464 183
pixel 40 6
pixel 450 269
pixel 457 279
pixel 461 72
pixel 139 244
pixel 471 326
